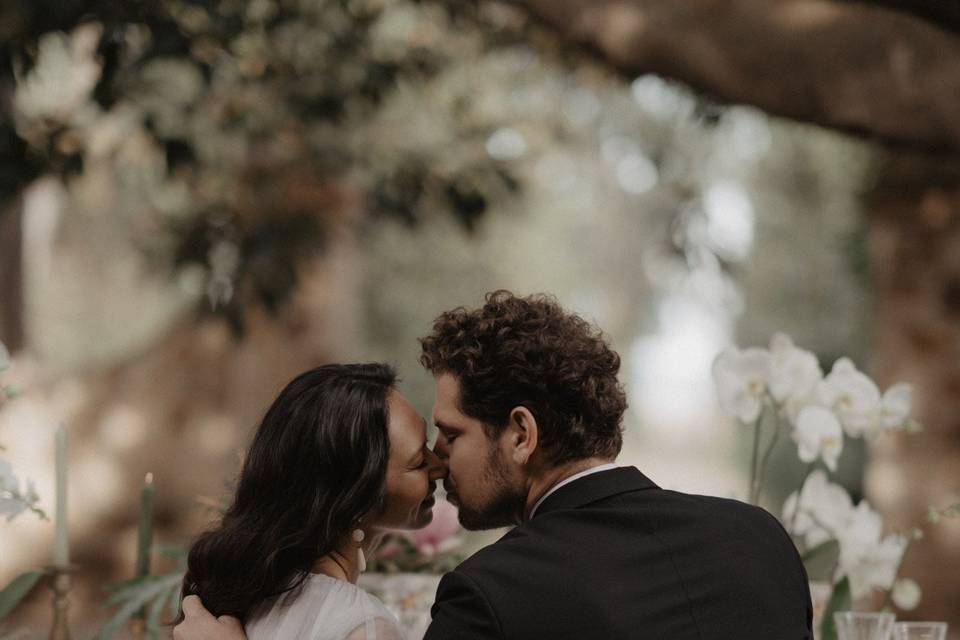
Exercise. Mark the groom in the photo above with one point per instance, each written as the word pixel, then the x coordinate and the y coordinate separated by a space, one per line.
pixel 529 410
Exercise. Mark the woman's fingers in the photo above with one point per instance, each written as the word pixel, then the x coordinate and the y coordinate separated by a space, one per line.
pixel 193 609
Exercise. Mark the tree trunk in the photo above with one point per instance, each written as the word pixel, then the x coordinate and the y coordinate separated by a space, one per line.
pixel 915 246
pixel 851 66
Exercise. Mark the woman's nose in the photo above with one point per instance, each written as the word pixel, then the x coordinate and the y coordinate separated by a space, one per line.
pixel 437 466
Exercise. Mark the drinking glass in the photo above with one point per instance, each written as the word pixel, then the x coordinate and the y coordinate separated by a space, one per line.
pixel 920 631
pixel 853 625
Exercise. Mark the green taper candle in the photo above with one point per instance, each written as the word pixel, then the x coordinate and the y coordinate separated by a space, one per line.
pixel 145 531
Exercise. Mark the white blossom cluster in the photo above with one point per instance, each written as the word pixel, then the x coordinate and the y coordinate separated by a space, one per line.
pixel 820 409
pixel 822 511
pixel 14 500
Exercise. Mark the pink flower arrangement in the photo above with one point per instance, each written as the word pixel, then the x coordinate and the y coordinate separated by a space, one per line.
pixel 428 550
pixel 440 536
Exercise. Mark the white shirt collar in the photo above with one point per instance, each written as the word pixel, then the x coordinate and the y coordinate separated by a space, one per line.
pixel 565 481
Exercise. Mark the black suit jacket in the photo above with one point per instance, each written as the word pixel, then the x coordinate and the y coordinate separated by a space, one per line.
pixel 611 555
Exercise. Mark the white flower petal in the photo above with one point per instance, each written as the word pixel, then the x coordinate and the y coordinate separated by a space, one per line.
pixel 869 562
pixel 906 594
pixel 740 378
pixel 830 451
pixel 818 433
pixel 794 373
pixel 853 396
pixel 748 407
pixel 844 366
pixel 825 509
pixel 896 406
pixel 807 452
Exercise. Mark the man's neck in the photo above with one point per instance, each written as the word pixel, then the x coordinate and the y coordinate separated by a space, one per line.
pixel 542 483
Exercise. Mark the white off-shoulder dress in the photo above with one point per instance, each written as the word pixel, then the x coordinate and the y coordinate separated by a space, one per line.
pixel 324 609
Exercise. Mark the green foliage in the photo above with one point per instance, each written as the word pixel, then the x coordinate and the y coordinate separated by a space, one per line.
pixel 840 600
pixel 821 561
pixel 17 590
pixel 934 515
pixel 262 121
pixel 147 596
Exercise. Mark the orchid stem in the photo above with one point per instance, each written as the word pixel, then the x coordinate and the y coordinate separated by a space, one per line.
pixel 762 471
pixel 796 509
pixel 754 458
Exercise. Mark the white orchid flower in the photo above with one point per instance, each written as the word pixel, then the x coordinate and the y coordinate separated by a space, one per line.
pixel 12 501
pixel 853 396
pixel 794 372
pixel 895 406
pixel 8 481
pixel 876 568
pixel 818 434
pixel 864 528
pixel 825 509
pixel 4 357
pixel 867 560
pixel 741 378
pixel 906 594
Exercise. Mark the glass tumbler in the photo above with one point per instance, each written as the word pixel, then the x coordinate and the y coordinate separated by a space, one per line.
pixel 920 631
pixel 852 625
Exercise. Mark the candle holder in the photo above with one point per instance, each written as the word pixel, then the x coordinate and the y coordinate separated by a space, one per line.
pixel 61 583
pixel 138 628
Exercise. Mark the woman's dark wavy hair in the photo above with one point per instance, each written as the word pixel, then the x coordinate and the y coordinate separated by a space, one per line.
pixel 317 463
pixel 527 351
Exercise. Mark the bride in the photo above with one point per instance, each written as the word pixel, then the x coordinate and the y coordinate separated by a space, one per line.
pixel 339 458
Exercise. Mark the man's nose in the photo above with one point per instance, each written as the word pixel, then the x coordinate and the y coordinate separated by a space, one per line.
pixel 440 448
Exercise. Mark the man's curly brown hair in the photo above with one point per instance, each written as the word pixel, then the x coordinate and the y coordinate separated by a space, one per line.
pixel 527 351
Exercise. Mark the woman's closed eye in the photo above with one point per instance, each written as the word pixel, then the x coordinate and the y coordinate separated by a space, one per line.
pixel 424 458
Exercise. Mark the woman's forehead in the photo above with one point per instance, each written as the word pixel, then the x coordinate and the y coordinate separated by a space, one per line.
pixel 405 421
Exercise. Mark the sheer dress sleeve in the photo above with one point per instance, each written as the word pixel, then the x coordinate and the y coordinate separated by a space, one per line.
pixel 376 629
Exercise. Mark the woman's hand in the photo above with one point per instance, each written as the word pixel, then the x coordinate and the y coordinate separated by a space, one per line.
pixel 199 624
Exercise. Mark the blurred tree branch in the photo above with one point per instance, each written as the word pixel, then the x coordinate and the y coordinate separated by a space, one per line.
pixel 944 13
pixel 254 121
pixel 886 70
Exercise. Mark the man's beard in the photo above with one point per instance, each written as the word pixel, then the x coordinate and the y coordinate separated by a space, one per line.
pixel 506 505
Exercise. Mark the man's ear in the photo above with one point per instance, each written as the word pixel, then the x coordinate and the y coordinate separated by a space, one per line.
pixel 523 435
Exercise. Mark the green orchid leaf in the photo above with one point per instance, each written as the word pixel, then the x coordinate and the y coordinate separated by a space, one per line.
pixel 17 590
pixel 840 600
pixel 820 561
